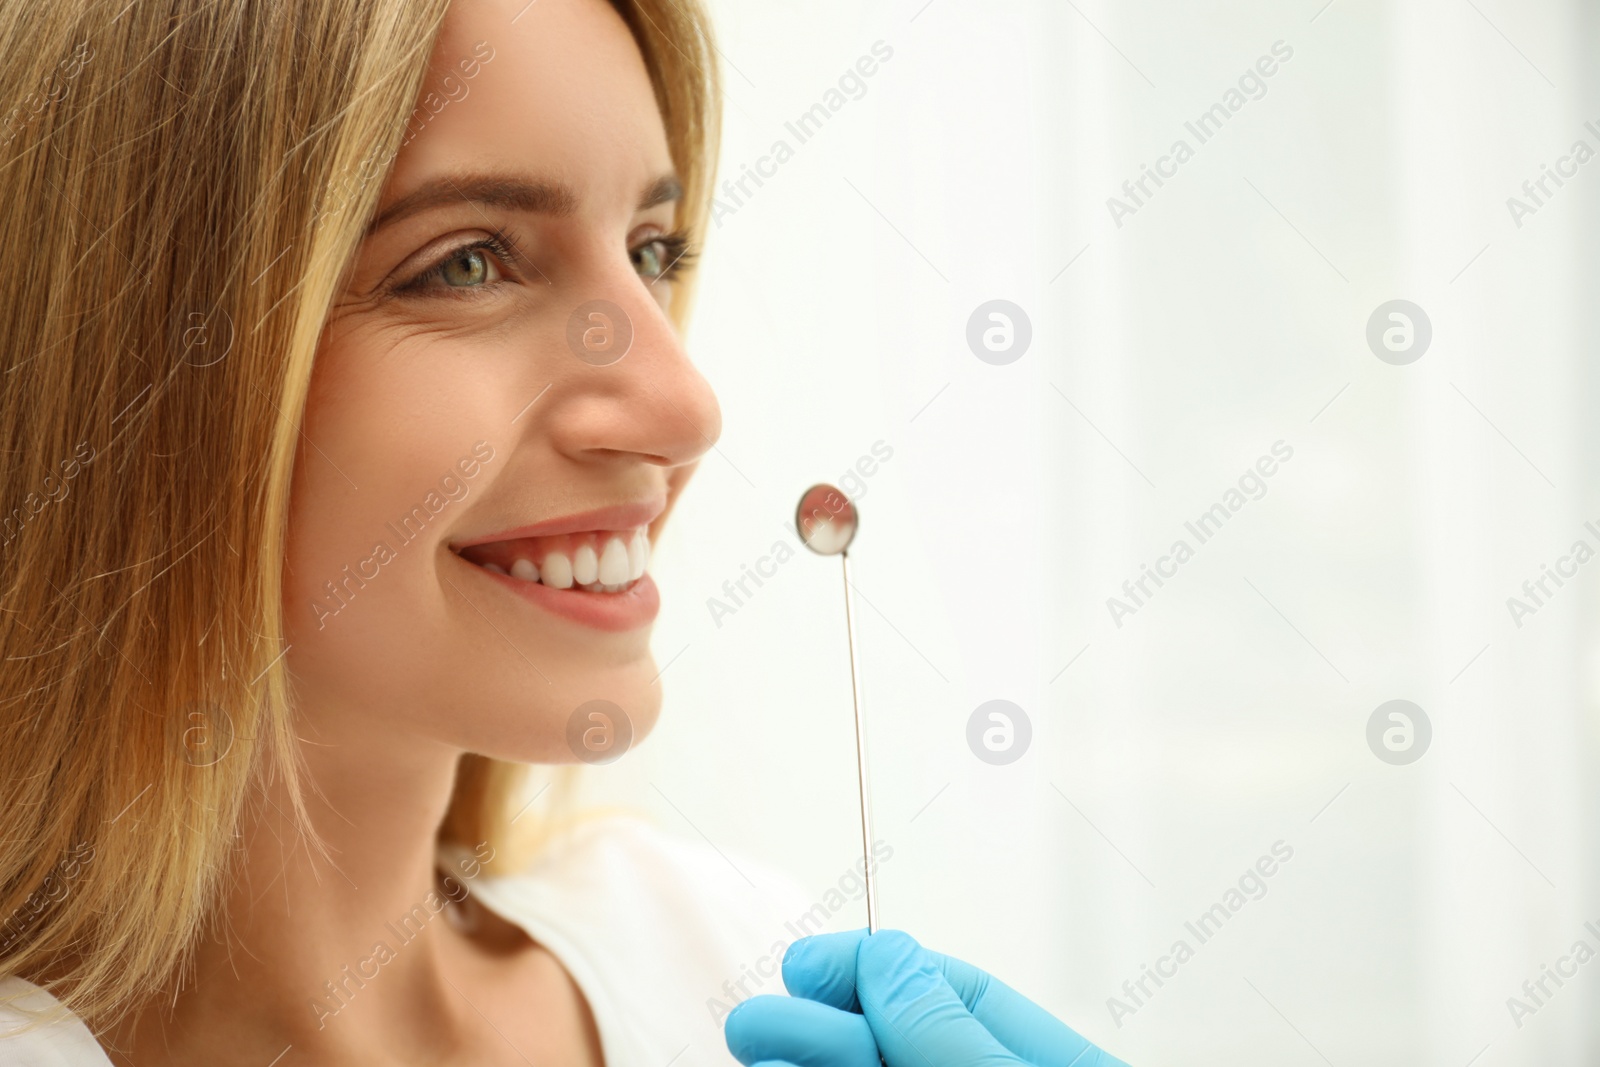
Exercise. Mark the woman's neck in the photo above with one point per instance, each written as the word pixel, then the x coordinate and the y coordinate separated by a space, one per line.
pixel 306 940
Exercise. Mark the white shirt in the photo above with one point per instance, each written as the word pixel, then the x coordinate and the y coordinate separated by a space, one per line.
pixel 661 933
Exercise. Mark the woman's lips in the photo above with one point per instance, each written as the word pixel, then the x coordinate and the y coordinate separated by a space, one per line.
pixel 593 577
pixel 630 609
pixel 616 517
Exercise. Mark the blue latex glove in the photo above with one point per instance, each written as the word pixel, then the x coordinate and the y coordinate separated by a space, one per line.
pixel 855 997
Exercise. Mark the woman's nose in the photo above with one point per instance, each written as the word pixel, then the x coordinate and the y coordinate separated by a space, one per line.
pixel 632 388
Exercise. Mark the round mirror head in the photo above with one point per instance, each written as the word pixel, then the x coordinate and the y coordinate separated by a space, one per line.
pixel 826 519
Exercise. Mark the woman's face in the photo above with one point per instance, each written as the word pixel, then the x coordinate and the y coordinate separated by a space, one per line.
pixel 499 393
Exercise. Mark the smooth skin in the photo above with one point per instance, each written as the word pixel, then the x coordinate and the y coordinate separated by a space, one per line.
pixel 431 658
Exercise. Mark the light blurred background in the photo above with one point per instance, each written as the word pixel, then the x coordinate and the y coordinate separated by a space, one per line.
pixel 1171 347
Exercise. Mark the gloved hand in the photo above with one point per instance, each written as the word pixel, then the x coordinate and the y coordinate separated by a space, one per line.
pixel 855 997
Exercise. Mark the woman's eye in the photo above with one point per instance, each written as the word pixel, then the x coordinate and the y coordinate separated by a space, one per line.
pixel 651 258
pixel 468 268
pixel 662 257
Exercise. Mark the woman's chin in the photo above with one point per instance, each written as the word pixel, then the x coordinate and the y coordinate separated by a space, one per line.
pixel 595 718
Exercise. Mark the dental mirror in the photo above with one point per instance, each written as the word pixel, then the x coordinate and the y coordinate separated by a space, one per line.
pixel 827 521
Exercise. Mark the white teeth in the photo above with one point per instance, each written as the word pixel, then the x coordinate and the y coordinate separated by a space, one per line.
pixel 613 569
pixel 621 561
pixel 557 571
pixel 638 555
pixel 585 565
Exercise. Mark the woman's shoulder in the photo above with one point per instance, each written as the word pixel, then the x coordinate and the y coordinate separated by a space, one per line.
pixel 63 1041
pixel 666 931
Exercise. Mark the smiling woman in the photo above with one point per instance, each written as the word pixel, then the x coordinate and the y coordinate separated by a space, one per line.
pixel 453 410
pixel 221 162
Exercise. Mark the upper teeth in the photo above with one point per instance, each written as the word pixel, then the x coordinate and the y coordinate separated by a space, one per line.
pixel 585 567
pixel 621 559
pixel 612 569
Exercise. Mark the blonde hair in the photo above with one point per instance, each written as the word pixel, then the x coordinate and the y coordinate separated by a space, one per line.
pixel 195 178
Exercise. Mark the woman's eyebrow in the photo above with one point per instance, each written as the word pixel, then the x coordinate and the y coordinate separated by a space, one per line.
pixel 509 191
pixel 663 190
